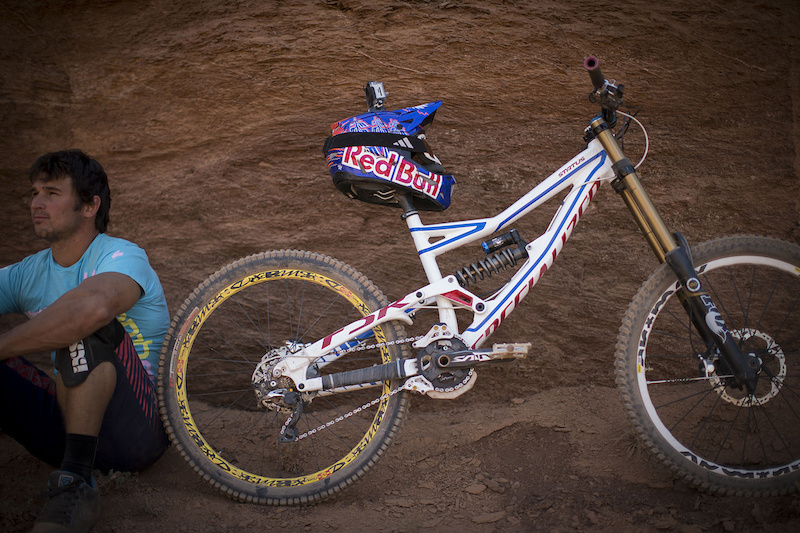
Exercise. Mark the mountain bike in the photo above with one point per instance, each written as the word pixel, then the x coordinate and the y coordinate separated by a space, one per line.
pixel 285 376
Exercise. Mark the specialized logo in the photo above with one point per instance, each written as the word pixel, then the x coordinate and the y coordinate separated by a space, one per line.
pixel 77 355
pixel 393 168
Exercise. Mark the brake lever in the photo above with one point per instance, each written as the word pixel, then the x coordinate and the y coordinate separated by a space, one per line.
pixel 609 96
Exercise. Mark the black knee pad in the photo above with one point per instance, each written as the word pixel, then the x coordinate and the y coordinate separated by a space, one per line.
pixel 77 361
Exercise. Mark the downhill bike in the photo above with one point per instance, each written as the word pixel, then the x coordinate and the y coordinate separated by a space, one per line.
pixel 285 375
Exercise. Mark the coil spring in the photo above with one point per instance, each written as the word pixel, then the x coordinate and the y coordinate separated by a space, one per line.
pixel 488 267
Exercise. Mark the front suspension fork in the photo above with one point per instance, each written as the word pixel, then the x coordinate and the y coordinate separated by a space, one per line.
pixel 674 250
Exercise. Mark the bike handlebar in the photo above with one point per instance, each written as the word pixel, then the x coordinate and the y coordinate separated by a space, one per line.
pixel 606 93
pixel 593 66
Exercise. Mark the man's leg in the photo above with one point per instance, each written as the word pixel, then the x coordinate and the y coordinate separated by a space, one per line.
pixel 114 401
pixel 85 384
pixel 132 436
pixel 29 411
pixel 84 407
pixel 128 437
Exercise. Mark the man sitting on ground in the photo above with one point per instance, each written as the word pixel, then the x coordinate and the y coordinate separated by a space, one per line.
pixel 96 302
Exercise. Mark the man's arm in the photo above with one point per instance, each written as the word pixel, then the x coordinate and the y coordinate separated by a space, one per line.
pixel 76 315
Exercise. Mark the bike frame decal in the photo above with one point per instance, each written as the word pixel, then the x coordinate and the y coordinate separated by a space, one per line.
pixel 583 174
pixel 533 269
pixel 469 228
pixel 183 349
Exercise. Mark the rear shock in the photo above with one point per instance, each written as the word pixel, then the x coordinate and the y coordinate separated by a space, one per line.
pixel 499 255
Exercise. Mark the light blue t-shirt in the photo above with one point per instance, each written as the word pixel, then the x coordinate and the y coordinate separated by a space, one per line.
pixel 37 281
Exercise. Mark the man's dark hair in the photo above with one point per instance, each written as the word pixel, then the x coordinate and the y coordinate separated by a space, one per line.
pixel 88 179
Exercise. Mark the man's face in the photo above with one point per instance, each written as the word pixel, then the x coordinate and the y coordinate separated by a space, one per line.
pixel 55 209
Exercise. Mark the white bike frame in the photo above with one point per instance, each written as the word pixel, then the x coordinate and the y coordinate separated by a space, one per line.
pixel 582 174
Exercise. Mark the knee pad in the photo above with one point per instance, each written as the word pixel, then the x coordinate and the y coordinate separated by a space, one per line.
pixel 77 361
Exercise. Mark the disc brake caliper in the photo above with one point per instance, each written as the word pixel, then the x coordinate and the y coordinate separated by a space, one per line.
pixel 274 391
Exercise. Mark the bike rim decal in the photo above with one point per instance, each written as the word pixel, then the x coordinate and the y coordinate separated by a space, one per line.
pixel 180 369
pixel 641 356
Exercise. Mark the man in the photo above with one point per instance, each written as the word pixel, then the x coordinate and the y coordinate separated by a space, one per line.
pixel 94 301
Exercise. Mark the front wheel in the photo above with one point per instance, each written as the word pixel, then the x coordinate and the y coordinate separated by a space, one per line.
pixel 678 392
pixel 215 379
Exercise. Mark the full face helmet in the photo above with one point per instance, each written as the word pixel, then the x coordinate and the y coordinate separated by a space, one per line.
pixel 374 156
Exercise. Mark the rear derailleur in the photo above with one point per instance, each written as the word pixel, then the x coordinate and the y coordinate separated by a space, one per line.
pixel 276 392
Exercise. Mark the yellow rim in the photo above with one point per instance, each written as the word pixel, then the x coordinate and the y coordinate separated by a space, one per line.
pixel 184 348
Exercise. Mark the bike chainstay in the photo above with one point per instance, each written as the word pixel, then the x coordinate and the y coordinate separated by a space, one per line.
pixel 361 347
pixel 357 410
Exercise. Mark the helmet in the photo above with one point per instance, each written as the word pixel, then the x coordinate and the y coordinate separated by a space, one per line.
pixel 372 157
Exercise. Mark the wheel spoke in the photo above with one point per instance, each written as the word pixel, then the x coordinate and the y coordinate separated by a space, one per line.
pixel 260 311
pixel 720 436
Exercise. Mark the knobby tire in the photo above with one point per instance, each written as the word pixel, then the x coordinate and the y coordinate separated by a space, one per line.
pixel 712 435
pixel 208 402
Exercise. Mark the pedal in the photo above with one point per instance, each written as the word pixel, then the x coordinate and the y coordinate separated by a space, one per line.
pixel 510 350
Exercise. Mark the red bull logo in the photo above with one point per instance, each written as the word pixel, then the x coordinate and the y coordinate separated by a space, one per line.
pixel 393 168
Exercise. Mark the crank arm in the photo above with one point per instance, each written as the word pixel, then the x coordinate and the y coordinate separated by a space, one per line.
pixel 471 358
pixel 707 319
pixel 403 368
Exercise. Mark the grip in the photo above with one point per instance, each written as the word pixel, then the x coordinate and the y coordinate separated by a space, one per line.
pixel 592 64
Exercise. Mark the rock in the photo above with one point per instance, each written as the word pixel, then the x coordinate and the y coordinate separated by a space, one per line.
pixel 494 486
pixel 475 488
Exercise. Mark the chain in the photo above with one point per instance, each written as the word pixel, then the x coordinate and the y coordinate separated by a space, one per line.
pixel 351 413
pixel 368 404
pixel 360 347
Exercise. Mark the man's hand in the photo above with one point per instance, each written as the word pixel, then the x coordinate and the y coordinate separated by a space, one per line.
pixel 76 315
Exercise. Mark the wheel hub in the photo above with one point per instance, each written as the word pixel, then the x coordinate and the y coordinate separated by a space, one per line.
pixel 271 388
pixel 768 386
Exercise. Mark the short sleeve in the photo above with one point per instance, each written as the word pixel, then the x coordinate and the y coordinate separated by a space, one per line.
pixel 128 259
pixel 8 300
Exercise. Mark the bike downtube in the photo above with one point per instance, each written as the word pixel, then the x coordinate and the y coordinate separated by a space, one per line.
pixel 634 195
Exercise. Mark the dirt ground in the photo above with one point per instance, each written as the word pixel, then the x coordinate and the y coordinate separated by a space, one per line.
pixel 210 117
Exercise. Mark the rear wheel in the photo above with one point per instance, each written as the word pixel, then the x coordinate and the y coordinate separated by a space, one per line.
pixel 679 394
pixel 222 345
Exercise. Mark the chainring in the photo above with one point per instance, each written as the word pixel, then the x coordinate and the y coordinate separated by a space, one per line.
pixel 444 380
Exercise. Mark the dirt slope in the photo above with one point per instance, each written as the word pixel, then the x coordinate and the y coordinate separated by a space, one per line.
pixel 210 116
